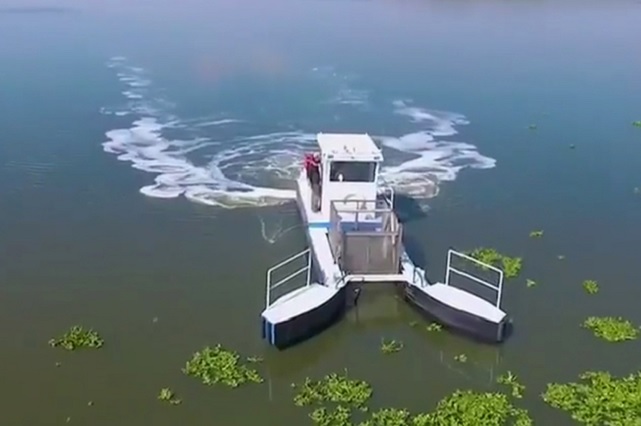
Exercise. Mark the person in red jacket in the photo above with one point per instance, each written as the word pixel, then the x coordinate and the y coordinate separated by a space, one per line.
pixel 312 169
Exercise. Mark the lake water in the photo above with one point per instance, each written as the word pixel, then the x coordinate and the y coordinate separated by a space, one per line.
pixel 126 127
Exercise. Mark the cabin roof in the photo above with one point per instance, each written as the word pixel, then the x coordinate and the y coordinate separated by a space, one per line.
pixel 349 146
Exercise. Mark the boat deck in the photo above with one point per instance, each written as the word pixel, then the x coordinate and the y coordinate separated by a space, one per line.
pixel 464 301
pixel 298 302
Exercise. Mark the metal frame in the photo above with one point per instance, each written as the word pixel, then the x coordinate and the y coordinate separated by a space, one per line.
pixel 498 288
pixel 387 192
pixel 270 271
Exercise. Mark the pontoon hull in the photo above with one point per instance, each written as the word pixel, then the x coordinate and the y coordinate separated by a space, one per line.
pixel 284 334
pixel 466 323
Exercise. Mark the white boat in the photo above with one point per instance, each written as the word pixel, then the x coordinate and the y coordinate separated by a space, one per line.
pixel 355 238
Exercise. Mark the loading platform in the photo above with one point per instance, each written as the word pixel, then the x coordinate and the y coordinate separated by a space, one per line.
pixel 354 236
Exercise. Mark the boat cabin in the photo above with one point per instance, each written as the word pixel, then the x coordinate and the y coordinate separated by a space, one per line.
pixel 348 167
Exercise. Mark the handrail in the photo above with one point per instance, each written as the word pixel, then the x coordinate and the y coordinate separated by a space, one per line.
pixel 270 271
pixel 498 288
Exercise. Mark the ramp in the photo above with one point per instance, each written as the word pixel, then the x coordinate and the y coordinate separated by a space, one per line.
pixel 460 309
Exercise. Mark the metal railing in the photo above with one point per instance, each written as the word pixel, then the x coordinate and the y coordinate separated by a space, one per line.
pixel 387 192
pixel 307 268
pixel 498 288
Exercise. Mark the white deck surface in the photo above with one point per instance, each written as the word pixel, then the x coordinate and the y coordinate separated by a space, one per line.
pixel 464 301
pixel 298 302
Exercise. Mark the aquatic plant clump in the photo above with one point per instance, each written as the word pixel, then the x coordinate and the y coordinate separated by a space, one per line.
pixel 392 346
pixel 591 286
pixel 511 265
pixel 468 408
pixel 599 399
pixel 388 417
pixel 434 327
pixel 219 365
pixel 340 416
pixel 536 234
pixel 510 379
pixel 78 337
pixel 636 123
pixel 612 329
pixel 335 388
pixel 169 396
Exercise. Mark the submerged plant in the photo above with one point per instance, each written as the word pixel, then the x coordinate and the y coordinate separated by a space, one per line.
pixel 599 399
pixel 591 286
pixel 511 380
pixel 536 234
pixel 334 388
pixel 391 347
pixel 530 283
pixel 612 329
pixel 511 265
pixel 219 365
pixel 434 326
pixel 78 337
pixel 468 408
pixel 169 396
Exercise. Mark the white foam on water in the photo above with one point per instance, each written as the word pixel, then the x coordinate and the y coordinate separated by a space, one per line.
pixel 258 170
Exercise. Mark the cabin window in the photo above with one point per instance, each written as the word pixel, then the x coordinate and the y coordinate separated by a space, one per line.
pixel 352 171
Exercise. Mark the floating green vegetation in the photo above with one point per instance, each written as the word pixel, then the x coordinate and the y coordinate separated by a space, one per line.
pixel 169 396
pixel 530 283
pixel 413 323
pixel 536 234
pixel 532 127
pixel 511 265
pixel 391 347
pixel 511 380
pixel 340 416
pixel 599 399
pixel 219 365
pixel 636 123
pixel 254 359
pixel 460 358
pixel 612 329
pixel 335 388
pixel 468 408
pixel 591 286
pixel 389 417
pixel 78 337
pixel 434 326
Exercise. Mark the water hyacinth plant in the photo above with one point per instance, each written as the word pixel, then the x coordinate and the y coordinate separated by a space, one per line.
pixel 511 380
pixel 78 337
pixel 612 329
pixel 591 286
pixel 599 399
pixel 468 408
pixel 530 283
pixel 636 123
pixel 511 265
pixel 462 358
pixel 434 326
pixel 219 365
pixel 334 388
pixel 169 396
pixel 536 234
pixel 391 346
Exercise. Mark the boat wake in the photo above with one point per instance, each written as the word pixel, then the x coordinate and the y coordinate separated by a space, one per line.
pixel 223 161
